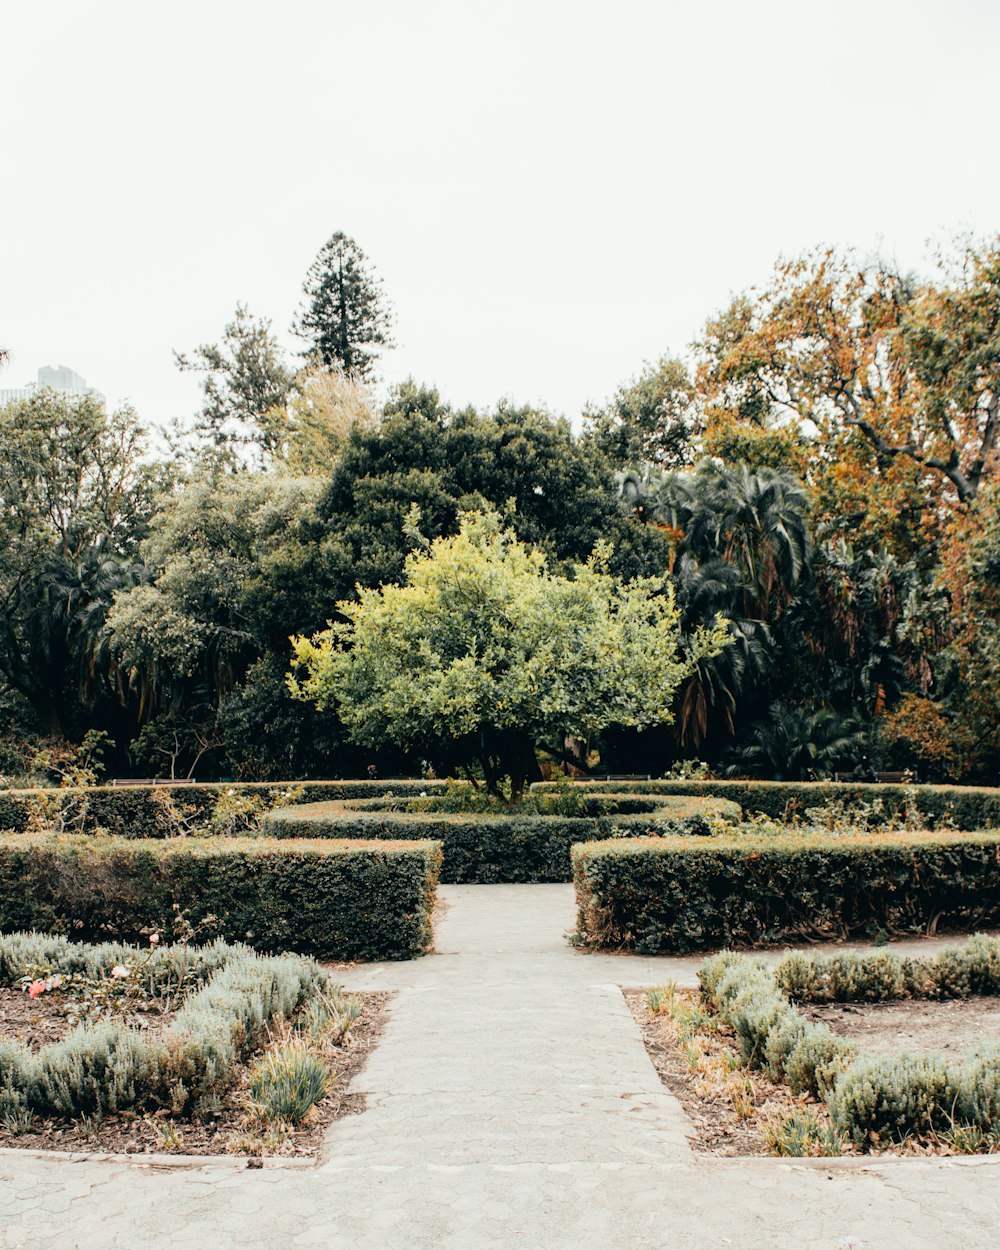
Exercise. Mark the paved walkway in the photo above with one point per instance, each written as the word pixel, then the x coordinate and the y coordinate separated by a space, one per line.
pixel 510 1104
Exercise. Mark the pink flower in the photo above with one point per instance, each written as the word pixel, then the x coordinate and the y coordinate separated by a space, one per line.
pixel 119 971
pixel 154 939
pixel 36 988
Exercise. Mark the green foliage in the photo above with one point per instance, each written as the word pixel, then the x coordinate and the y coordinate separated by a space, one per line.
pixel 862 804
pixel 494 845
pixel 675 894
pixel 651 419
pixel 891 1098
pixel 75 497
pixel 287 1082
pixel 872 1099
pixel 879 976
pixel 246 384
pixel 329 899
pixel 486 650
pixel 345 318
pixel 801 1134
pixel 142 811
pixel 796 744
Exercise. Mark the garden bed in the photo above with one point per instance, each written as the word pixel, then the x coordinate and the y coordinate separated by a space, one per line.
pixel 732 1112
pixel 854 1054
pixel 199 1051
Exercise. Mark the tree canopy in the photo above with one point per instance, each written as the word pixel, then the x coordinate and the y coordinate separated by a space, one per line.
pixel 487 654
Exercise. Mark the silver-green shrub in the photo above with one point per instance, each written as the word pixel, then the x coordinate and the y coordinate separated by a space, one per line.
pixel 893 1097
pixel 96 1070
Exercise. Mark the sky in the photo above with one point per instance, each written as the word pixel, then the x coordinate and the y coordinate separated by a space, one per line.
pixel 552 192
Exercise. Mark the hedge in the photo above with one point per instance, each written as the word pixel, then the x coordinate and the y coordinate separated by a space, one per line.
pixel 679 894
pixel 142 811
pixel 332 900
pixel 484 847
pixel 963 807
pixel 112 1067
pixel 871 1098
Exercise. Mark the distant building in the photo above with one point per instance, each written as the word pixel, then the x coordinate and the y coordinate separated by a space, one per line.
pixel 58 378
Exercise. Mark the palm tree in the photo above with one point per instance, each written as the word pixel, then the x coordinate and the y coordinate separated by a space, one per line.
pixel 795 744
pixel 757 521
pixel 710 694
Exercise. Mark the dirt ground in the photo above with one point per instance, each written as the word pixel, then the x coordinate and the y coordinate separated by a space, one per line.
pixel 38 1021
pixel 952 1027
pixel 232 1129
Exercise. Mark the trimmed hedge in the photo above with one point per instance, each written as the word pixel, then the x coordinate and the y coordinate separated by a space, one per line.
pixel 332 900
pixel 962 807
pixel 140 811
pixel 483 847
pixel 679 894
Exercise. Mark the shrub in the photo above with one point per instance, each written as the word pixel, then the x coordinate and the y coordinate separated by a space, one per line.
pixel 953 972
pixel 871 1098
pixel 893 1097
pixel 959 807
pixel 160 811
pixel 329 899
pixel 485 847
pixel 287 1082
pixel 676 894
pixel 110 1067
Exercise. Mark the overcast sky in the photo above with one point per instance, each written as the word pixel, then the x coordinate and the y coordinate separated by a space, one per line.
pixel 553 191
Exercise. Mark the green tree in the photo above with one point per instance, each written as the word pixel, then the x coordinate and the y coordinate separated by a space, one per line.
pixel 487 652
pixel 345 319
pixel 76 493
pixel 245 388
pixel 798 744
pixel 652 419
pixel 220 557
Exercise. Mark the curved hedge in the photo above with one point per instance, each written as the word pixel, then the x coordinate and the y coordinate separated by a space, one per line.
pixel 328 899
pixel 141 811
pixel 678 894
pixel 487 847
pixel 963 807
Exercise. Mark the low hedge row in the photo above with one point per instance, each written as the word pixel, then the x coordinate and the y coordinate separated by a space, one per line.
pixel 678 894
pixel 111 1067
pixel 872 1098
pixel 962 807
pixel 332 900
pixel 144 811
pixel 484 847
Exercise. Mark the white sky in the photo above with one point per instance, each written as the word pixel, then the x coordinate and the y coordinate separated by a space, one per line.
pixel 552 191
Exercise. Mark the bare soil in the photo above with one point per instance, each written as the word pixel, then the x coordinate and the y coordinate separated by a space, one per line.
pixel 231 1130
pixel 38 1021
pixel 951 1027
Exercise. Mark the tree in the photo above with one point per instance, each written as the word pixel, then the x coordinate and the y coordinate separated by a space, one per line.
pixel 246 384
pixel 881 377
pixel 345 318
pixel 324 405
pixel 217 561
pixel 651 419
pixel 76 494
pixel 796 744
pixel 739 545
pixel 485 652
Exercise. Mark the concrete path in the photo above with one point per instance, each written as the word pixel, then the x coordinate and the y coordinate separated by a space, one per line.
pixel 510 1104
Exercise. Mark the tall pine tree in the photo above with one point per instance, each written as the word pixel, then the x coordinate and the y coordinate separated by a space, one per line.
pixel 345 318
